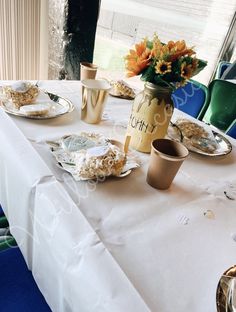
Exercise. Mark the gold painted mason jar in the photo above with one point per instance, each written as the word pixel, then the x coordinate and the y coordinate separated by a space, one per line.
pixel 151 113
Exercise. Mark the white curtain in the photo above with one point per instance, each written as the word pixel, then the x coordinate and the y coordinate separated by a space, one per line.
pixel 23 39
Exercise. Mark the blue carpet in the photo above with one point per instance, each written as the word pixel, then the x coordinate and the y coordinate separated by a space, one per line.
pixel 19 292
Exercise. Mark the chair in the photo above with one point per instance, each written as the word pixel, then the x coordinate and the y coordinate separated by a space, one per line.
pixel 231 131
pixel 221 111
pixel 1 211
pixel 191 99
pixel 19 291
pixel 6 240
pixel 3 222
pixel 230 72
pixel 222 66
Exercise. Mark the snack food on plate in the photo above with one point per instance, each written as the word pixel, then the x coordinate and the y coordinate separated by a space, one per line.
pixel 89 155
pixel 35 109
pixel 21 93
pixel 190 129
pixel 99 161
pixel 121 89
pixel 195 135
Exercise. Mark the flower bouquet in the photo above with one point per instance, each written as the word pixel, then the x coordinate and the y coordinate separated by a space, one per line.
pixel 164 67
pixel 170 64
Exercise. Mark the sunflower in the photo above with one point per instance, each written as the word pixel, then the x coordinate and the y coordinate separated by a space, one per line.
pixel 162 67
pixel 181 83
pixel 194 63
pixel 186 71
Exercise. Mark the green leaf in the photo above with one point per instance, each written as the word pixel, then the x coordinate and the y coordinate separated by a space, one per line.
pixel 149 44
pixel 201 65
pixel 148 74
pixel 159 81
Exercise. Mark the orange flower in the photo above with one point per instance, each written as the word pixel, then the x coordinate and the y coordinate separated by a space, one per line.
pixel 180 45
pixel 139 59
pixel 171 44
pixel 156 48
pixel 178 49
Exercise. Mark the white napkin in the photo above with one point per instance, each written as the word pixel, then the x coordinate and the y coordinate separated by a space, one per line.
pixel 43 98
pixel 19 86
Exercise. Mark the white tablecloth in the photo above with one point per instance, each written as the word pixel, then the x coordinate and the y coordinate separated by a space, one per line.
pixel 119 245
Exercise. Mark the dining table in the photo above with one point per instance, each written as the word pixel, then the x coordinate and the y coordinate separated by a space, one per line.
pixel 115 245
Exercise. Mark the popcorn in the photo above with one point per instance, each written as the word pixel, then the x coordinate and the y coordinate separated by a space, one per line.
pixel 88 156
pixel 21 93
pixel 109 161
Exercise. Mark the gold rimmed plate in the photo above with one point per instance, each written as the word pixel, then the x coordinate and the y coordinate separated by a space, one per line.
pixel 226 291
pixel 58 107
pixel 224 147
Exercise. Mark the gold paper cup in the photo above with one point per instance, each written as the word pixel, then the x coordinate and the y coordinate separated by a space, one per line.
pixel 166 158
pixel 94 96
pixel 88 70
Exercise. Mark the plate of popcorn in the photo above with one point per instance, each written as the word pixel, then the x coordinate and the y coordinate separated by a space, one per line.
pixel 88 156
pixel 199 138
pixel 27 100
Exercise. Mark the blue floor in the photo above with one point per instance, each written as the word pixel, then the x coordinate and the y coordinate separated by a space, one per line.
pixel 19 292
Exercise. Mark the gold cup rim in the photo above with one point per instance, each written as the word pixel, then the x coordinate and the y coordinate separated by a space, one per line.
pixel 89 66
pixel 175 148
pixel 91 84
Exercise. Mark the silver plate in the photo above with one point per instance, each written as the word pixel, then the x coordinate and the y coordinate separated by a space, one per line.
pixel 224 146
pixel 62 106
pixel 59 148
pixel 225 291
pixel 121 175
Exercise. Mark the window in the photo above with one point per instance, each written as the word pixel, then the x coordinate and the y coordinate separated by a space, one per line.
pixel 203 24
